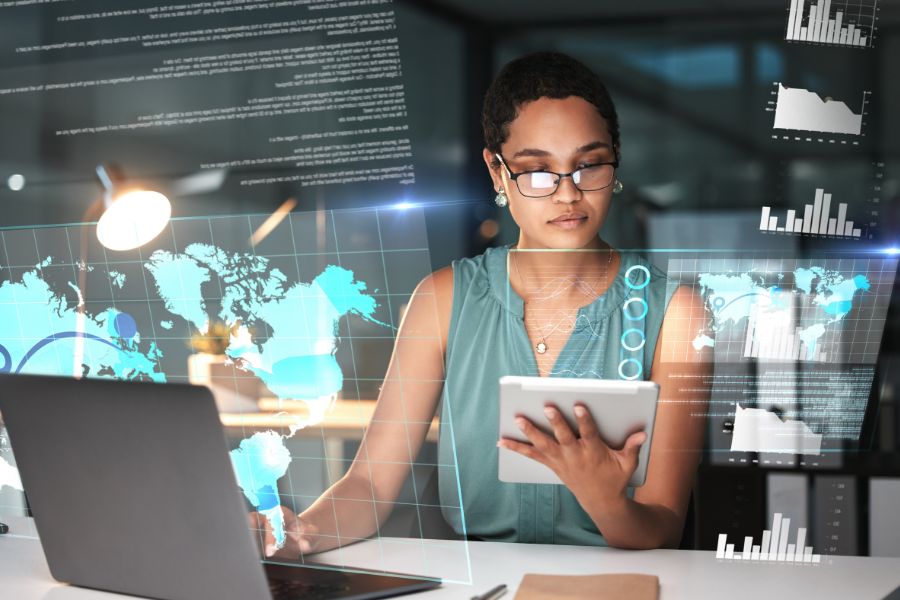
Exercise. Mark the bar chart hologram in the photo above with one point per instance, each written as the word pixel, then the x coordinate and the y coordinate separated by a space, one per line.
pixel 776 336
pixel 833 22
pixel 816 219
pixel 773 547
pixel 802 110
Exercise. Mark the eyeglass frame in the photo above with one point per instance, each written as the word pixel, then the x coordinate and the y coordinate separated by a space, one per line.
pixel 515 176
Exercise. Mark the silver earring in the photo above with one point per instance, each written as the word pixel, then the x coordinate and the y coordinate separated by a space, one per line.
pixel 500 199
pixel 618 187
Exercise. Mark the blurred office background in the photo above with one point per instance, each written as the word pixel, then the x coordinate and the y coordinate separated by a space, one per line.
pixel 692 80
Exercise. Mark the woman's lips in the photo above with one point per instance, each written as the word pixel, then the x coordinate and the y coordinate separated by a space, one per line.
pixel 569 221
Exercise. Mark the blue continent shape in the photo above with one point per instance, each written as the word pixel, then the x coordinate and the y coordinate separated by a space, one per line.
pixel 259 462
pixel 830 291
pixel 296 358
pixel 294 355
pixel 179 281
pixel 40 333
pixel 731 296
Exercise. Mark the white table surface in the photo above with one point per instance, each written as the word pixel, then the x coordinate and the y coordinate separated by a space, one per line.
pixel 683 574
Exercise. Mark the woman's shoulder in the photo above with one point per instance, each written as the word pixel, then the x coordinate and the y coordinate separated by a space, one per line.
pixel 436 292
pixel 462 271
pixel 439 282
pixel 461 277
pixel 481 265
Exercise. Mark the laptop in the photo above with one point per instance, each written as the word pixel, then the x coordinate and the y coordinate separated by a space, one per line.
pixel 132 491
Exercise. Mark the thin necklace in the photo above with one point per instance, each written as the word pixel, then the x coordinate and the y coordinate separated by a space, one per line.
pixel 541 346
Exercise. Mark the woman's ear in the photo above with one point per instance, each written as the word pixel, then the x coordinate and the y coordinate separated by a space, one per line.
pixel 491 162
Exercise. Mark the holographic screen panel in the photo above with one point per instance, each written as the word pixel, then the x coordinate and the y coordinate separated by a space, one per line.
pixel 292 331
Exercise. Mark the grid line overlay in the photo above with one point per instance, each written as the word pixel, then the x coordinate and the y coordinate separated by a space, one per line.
pixel 392 261
pixel 760 284
pixel 819 390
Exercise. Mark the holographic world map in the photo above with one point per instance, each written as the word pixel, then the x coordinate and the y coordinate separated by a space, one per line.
pixel 285 302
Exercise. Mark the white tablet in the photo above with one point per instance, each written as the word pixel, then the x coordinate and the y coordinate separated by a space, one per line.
pixel 619 408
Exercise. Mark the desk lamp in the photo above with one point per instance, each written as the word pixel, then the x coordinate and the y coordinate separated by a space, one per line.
pixel 130 218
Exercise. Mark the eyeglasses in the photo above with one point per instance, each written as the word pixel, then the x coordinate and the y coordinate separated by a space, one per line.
pixel 538 184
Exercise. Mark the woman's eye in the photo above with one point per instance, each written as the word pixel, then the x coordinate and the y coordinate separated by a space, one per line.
pixel 585 164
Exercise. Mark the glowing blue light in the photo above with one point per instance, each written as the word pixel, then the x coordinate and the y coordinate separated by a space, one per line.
pixel 893 250
pixel 404 205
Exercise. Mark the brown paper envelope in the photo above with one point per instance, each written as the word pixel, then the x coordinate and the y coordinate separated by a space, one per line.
pixel 613 586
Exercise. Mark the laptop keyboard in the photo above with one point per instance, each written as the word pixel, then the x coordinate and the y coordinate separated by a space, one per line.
pixel 283 589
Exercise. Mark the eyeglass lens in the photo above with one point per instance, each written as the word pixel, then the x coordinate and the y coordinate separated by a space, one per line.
pixel 541 183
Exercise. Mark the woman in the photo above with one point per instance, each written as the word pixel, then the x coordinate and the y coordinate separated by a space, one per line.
pixel 552 306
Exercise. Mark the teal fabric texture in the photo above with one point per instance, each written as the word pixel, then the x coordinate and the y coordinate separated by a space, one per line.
pixel 614 338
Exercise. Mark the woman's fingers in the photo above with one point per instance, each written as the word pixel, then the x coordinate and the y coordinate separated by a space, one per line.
pixel 304 534
pixel 254 520
pixel 262 532
pixel 309 538
pixel 541 440
pixel 587 427
pixel 298 540
pixel 291 522
pixel 524 449
pixel 628 455
pixel 293 530
pixel 561 429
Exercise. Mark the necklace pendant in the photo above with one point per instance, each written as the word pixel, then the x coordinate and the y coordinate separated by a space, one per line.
pixel 541 347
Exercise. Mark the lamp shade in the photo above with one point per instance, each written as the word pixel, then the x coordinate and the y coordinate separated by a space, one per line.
pixel 133 219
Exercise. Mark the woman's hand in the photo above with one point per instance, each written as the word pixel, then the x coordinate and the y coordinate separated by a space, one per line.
pixel 300 537
pixel 594 472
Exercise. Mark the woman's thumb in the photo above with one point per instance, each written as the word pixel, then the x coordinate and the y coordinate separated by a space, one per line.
pixel 633 445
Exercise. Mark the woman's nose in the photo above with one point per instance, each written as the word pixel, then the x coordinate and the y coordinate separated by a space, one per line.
pixel 566 192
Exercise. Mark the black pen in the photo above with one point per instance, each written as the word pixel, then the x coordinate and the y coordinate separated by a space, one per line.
pixel 492 593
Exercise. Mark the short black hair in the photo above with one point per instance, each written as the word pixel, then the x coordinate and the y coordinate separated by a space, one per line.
pixel 541 75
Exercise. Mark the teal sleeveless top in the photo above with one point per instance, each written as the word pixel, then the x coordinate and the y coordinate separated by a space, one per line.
pixel 614 338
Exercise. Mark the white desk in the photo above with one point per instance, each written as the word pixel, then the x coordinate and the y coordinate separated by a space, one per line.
pixel 682 574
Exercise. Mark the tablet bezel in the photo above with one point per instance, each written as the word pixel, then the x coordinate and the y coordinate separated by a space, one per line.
pixel 619 408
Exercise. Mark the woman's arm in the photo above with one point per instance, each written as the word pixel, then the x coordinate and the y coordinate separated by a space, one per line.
pixel 598 476
pixel 679 430
pixel 357 504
